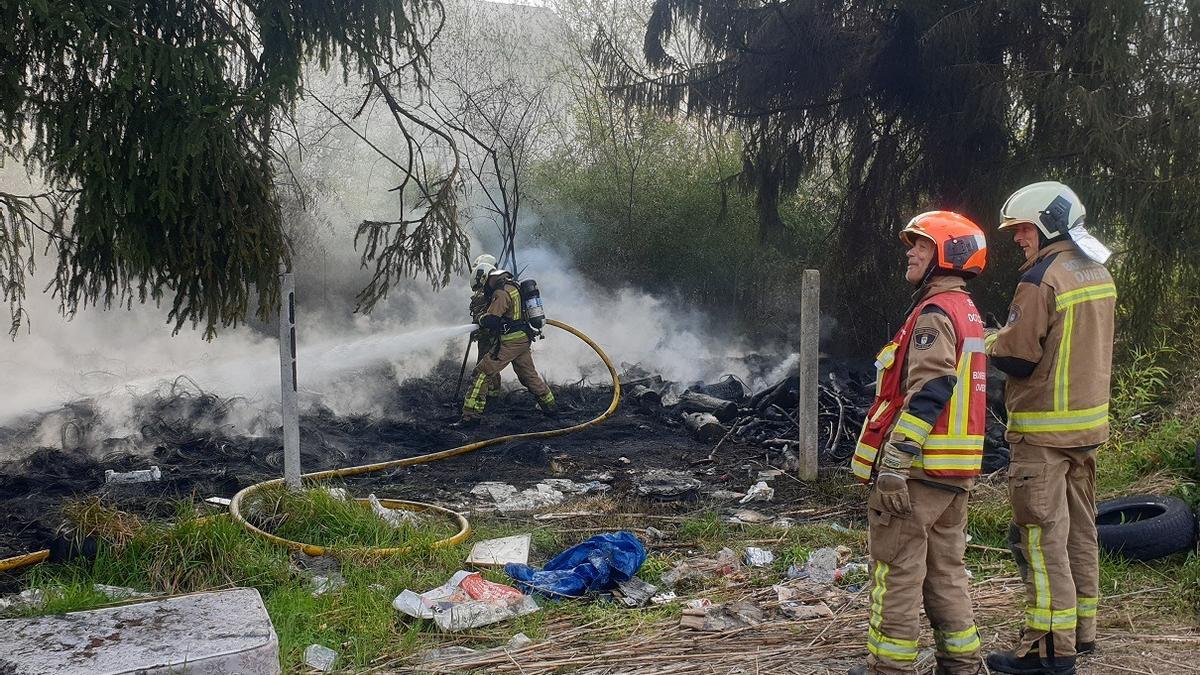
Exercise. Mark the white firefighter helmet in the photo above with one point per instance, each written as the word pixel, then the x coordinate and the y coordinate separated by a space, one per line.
pixel 1049 205
pixel 480 272
pixel 485 258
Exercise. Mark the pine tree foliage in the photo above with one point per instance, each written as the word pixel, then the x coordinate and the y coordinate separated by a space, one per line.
pixel 155 123
pixel 925 104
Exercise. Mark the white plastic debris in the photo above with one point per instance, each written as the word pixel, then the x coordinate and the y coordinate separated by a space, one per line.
pixel 518 641
pixel 467 600
pixel 34 597
pixel 322 584
pixel 501 551
pixel 394 517
pixel 339 494
pixel 759 492
pixel 698 603
pixel 664 598
pixel 322 658
pixel 218 501
pixel 759 557
pixel 142 476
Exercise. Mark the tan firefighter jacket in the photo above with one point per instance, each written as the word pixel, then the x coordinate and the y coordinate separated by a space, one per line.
pixel 1056 349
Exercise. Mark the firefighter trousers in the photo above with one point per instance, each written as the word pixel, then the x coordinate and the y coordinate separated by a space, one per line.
pixel 493 381
pixel 1053 493
pixel 915 560
pixel 517 353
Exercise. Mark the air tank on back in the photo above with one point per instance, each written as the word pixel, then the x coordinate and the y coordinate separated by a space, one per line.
pixel 535 314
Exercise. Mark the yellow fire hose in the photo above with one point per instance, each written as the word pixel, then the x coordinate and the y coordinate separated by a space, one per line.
pixel 464 526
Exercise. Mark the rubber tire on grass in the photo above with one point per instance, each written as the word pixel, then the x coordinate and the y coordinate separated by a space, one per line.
pixel 1145 527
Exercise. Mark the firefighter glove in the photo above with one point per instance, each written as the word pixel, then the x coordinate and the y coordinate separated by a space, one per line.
pixel 492 322
pixel 892 481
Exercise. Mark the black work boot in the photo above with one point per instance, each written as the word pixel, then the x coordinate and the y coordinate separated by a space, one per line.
pixel 1082 648
pixel 858 670
pixel 1032 663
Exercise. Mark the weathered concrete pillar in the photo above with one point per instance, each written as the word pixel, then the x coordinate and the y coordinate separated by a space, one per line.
pixel 810 330
pixel 289 406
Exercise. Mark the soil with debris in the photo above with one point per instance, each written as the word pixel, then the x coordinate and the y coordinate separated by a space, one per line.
pixel 184 432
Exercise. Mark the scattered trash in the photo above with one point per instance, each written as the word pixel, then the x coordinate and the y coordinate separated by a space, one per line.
pixel 853 568
pixel 322 658
pixel 698 603
pixel 666 484
pixel 768 474
pixel 655 534
pixel 796 572
pixel 634 592
pixel 783 522
pixel 394 517
pixel 759 557
pixel 823 564
pixel 467 600
pixel 602 476
pixel 500 552
pixel 339 494
pixel 724 564
pixel 664 598
pixel 838 528
pixel 726 495
pixel 597 564
pixel 119 592
pixel 725 617
pixel 518 641
pixel 141 476
pixel 27 599
pixel 322 584
pixel 798 611
pixel 703 426
pixel 446 654
pixel 759 492
pixel 218 501
pixel 624 460
pixel 549 492
pixel 749 516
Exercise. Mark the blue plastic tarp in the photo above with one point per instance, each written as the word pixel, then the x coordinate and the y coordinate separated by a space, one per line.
pixel 597 564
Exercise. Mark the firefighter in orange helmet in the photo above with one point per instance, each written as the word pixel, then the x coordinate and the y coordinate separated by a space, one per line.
pixel 921 448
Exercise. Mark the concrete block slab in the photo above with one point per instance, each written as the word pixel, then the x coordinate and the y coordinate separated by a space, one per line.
pixel 224 632
pixel 499 552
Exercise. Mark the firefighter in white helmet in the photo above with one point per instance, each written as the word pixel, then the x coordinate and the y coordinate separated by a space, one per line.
pixel 1056 349
pixel 503 326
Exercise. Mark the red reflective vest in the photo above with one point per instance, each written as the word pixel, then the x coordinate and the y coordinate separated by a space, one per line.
pixel 953 446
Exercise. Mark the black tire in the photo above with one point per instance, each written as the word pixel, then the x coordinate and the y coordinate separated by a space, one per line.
pixel 1145 527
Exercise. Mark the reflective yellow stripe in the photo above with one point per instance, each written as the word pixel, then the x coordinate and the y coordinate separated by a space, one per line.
pixel 891 648
pixel 1062 369
pixel 1064 420
pixel 912 428
pixel 548 398
pixel 959 402
pixel 515 294
pixel 475 401
pixel 989 341
pixel 1041 616
pixel 864 459
pixel 958 641
pixel 1086 607
pixel 949 442
pixel 879 577
pixel 513 336
pixel 1096 292
pixel 949 462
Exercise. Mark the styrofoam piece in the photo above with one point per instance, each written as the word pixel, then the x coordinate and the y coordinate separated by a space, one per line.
pixel 201 634
pixel 498 552
pixel 141 476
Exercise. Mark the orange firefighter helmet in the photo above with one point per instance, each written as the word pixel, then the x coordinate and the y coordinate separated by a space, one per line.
pixel 961 246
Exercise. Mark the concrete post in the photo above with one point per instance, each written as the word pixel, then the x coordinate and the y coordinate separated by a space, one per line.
pixel 810 328
pixel 287 377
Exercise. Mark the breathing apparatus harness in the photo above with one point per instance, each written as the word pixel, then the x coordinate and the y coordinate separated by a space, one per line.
pixel 529 306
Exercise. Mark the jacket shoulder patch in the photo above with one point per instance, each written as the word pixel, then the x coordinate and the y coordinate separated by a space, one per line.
pixel 923 338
